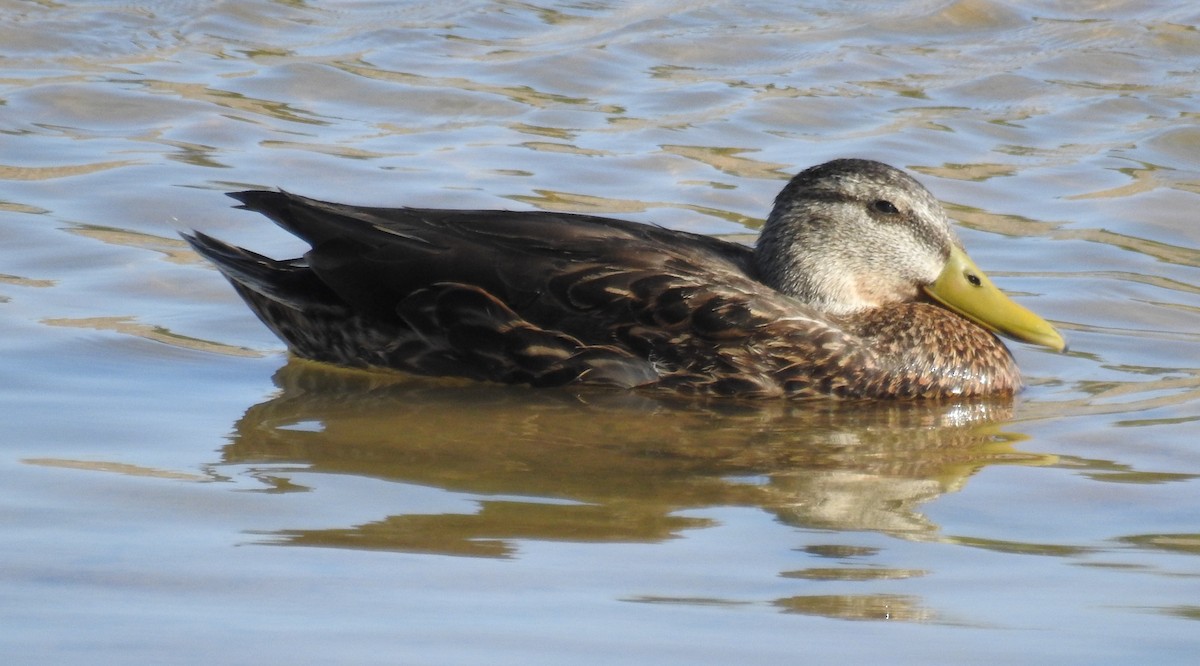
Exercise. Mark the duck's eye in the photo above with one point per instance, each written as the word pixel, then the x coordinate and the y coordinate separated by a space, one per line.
pixel 884 206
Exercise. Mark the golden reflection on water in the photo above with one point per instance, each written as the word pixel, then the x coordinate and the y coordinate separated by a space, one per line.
pixel 172 249
pixel 10 172
pixel 130 326
pixel 582 203
pixel 887 607
pixel 115 468
pixel 894 607
pixel 613 466
pixel 731 161
pixel 522 94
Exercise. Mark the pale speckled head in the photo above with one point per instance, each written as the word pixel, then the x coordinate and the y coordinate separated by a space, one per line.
pixel 851 235
pixel 854 235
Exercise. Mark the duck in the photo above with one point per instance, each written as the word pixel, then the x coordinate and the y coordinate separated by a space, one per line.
pixel 857 288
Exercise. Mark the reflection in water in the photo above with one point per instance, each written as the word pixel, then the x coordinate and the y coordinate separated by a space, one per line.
pixel 896 607
pixel 893 607
pixel 612 466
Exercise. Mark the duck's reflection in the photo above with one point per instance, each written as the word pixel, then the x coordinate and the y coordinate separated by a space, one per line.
pixel 612 466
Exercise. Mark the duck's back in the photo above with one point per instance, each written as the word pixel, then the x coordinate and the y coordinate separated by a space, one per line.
pixel 521 297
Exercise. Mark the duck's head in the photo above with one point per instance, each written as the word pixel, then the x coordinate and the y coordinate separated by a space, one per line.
pixel 852 235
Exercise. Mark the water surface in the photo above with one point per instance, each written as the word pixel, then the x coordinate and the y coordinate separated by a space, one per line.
pixel 177 490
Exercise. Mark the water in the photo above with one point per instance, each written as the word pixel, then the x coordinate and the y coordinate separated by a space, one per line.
pixel 177 491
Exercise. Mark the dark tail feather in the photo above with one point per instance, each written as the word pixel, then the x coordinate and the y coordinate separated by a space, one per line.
pixel 290 300
pixel 276 205
pixel 314 221
pixel 288 283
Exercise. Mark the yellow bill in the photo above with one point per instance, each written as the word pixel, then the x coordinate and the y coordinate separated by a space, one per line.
pixel 963 288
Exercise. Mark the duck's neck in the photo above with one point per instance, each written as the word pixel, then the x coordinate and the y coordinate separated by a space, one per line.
pixel 810 263
pixel 783 261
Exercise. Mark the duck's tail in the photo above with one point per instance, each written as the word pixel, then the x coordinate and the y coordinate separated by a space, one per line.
pixel 286 295
pixel 289 283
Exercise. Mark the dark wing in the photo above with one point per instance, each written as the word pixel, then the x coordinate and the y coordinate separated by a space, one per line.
pixel 530 297
pixel 571 272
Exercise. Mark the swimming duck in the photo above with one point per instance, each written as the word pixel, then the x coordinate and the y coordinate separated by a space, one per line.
pixel 856 288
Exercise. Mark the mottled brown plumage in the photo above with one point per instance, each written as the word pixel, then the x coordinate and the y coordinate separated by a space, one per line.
pixel 831 302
